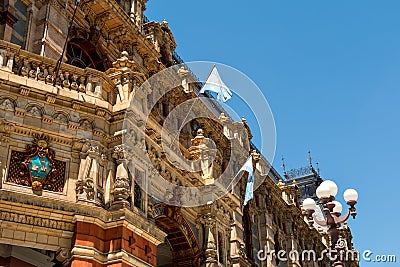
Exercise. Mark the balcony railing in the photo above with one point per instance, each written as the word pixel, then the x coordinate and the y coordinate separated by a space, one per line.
pixel 32 66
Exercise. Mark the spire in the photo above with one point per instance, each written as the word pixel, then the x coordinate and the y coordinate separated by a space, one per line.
pixel 318 170
pixel 310 159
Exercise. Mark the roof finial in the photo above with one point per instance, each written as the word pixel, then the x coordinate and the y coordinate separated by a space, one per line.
pixel 310 158
pixel 318 170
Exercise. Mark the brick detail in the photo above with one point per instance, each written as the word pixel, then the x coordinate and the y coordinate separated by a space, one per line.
pixel 112 240
pixel 86 263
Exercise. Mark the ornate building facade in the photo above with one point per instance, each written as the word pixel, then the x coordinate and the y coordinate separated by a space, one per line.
pixel 67 197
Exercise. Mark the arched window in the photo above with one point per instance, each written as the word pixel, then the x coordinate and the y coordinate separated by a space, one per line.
pixel 84 53
pixel 77 57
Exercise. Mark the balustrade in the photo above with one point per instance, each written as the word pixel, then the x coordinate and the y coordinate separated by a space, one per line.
pixel 35 67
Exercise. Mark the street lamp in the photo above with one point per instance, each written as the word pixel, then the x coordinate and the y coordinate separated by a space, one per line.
pixel 332 209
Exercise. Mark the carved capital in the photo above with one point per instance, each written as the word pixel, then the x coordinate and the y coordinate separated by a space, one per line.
pixel 6 127
pixel 121 189
pixel 124 63
pixel 120 154
pixel 84 189
pixel 63 256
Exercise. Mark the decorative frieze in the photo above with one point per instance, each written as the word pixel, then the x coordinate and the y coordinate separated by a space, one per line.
pixel 76 105
pixel 24 91
pixel 47 119
pixel 19 112
pixel 73 125
pixel 10 216
pixel 51 99
pixel 103 113
pixel 7 104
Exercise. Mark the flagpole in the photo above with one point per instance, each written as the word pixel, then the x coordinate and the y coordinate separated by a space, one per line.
pixel 58 65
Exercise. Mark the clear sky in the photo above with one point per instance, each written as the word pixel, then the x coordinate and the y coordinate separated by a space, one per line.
pixel 330 71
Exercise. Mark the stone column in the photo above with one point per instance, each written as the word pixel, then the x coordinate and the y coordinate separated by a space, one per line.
pixel 207 218
pixel 31 27
pixel 211 249
pixel 121 189
pixel 88 173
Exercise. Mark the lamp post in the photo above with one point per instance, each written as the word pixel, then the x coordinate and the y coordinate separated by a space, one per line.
pixel 332 209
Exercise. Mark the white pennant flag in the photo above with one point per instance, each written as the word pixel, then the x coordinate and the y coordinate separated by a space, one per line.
pixel 215 84
pixel 248 167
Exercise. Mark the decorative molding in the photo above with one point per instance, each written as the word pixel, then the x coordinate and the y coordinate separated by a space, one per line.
pixel 73 125
pixel 19 112
pixel 47 119
pixel 76 105
pixel 10 216
pixel 51 98
pixel 24 91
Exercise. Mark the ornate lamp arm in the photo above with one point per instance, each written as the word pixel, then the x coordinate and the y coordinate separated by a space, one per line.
pixel 319 222
pixel 343 218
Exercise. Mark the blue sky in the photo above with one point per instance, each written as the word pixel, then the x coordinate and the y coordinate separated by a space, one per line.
pixel 330 71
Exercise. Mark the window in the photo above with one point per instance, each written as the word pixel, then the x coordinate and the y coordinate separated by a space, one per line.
pixel 138 194
pixel 221 248
pixel 18 33
pixel 86 53
pixel 77 57
pixel 248 233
